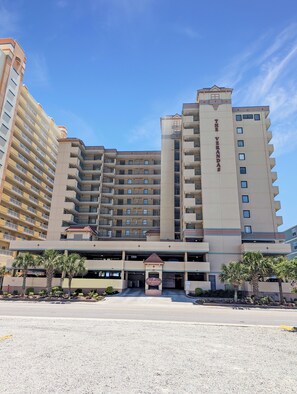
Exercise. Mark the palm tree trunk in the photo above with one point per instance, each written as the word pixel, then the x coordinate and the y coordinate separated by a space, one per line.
pixel 281 295
pixel 62 278
pixel 24 282
pixel 69 285
pixel 49 279
pixel 255 285
pixel 235 293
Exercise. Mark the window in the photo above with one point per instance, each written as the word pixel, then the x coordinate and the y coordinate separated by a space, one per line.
pixel 146 172
pixel 257 116
pixel 238 118
pixel 144 221
pixel 215 96
pixel 145 181
pixel 128 211
pixel 145 191
pixel 239 130
pixel 294 245
pixel 246 213
pixel 145 211
pixel 129 181
pixel 248 229
pixel 146 162
pixel 241 156
pixel 294 231
pixel 130 162
pixel 127 232
pixel 128 221
pixel 245 198
pixel 244 184
pixel 249 116
pixel 242 170
pixel 145 202
pixel 129 191
pixel 129 201
pixel 240 143
pixel 129 172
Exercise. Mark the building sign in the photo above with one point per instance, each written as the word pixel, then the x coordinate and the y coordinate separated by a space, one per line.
pixel 217 146
pixel 153 281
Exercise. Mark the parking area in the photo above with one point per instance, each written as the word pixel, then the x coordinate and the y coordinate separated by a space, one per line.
pixel 64 355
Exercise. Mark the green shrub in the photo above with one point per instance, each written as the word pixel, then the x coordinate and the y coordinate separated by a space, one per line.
pixel 93 294
pixel 29 290
pixel 264 300
pixel 109 290
pixel 15 292
pixel 43 293
pixel 77 292
pixel 198 292
pixel 57 288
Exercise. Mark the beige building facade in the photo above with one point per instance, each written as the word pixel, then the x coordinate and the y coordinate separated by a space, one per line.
pixel 169 219
pixel 28 155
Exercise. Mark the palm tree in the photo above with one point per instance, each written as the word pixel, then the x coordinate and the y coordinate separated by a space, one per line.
pixel 256 267
pixel 3 272
pixel 233 273
pixel 282 269
pixel 73 265
pixel 50 260
pixel 62 269
pixel 23 262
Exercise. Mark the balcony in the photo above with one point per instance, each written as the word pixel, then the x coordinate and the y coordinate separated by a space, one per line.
pixel 188 146
pixel 267 123
pixel 273 176
pixel 189 202
pixel 68 218
pixel 189 173
pixel 188 159
pixel 193 233
pixel 270 148
pixel 269 135
pixel 272 162
pixel 266 248
pixel 277 205
pixel 279 220
pixel 190 217
pixel 275 190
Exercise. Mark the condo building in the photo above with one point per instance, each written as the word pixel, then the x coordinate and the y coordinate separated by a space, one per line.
pixel 291 239
pixel 28 155
pixel 168 219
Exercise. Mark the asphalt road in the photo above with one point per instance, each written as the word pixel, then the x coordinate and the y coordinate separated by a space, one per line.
pixel 173 309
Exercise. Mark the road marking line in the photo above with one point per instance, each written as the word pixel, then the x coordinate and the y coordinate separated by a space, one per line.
pixel 140 321
pixel 289 328
pixel 5 337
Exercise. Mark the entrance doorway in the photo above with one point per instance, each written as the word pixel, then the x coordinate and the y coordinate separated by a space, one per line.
pixel 136 279
pixel 173 280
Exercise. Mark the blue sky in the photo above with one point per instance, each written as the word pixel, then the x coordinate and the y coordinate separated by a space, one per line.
pixel 108 69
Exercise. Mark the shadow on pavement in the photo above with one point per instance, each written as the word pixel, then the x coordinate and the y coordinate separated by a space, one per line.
pixel 174 295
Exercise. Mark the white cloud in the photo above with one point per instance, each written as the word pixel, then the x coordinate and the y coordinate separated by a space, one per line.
pixel 266 75
pixel 78 127
pixel 37 70
pixel 62 3
pixel 189 32
pixel 147 132
pixel 9 22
